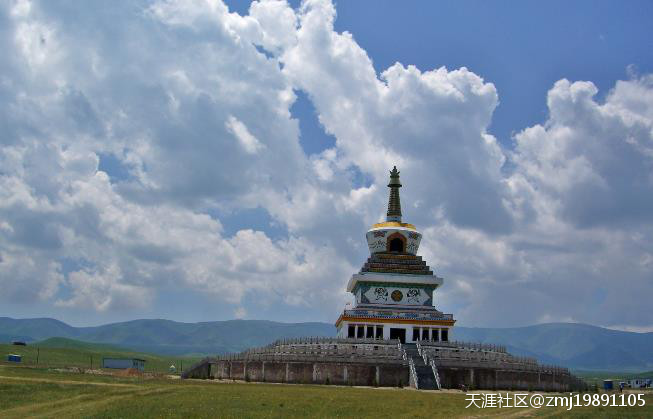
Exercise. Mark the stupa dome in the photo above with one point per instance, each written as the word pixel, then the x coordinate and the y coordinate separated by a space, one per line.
pixel 393 235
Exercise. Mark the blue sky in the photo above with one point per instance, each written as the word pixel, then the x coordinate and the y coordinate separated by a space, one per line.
pixel 197 161
pixel 523 47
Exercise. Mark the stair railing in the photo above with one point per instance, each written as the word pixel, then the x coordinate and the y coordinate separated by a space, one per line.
pixel 435 373
pixel 422 353
pixel 431 362
pixel 413 374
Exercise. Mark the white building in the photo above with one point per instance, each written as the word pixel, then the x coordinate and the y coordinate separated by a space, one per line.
pixel 395 288
pixel 638 382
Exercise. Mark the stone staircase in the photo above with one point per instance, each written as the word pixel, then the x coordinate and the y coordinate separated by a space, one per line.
pixel 423 372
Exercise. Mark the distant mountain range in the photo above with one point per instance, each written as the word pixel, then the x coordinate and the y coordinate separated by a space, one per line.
pixel 166 336
pixel 574 345
pixel 577 346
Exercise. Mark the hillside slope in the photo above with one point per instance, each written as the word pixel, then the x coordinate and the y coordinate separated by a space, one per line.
pixel 64 352
pixel 575 345
pixel 166 336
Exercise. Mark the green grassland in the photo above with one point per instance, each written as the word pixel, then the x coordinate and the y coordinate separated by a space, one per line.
pixel 67 353
pixel 45 390
pixel 28 392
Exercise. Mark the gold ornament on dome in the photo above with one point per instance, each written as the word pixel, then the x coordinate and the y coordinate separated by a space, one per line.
pixel 389 224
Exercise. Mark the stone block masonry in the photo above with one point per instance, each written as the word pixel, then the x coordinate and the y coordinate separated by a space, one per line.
pixel 356 374
pixel 364 362
pixel 381 375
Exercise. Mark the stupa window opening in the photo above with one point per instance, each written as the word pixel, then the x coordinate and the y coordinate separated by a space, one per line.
pixel 360 331
pixel 398 333
pixel 379 332
pixel 370 332
pixel 396 243
pixel 444 333
pixel 425 334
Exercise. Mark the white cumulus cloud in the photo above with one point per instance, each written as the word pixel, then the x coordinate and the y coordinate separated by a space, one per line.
pixel 129 134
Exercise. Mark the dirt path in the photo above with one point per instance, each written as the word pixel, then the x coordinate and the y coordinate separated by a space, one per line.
pixel 75 406
pixel 84 383
pixel 24 410
pixel 521 412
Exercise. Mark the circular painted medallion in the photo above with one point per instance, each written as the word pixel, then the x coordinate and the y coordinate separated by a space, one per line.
pixel 396 295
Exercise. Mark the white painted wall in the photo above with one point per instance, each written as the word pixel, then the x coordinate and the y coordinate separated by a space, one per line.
pixel 344 328
pixel 408 296
pixel 378 242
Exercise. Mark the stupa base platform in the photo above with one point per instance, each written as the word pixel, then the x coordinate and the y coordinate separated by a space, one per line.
pixel 387 363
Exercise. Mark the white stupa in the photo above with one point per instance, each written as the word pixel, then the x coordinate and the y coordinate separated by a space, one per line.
pixel 394 289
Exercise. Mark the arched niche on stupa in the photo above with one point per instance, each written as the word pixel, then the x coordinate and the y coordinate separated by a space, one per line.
pixel 396 243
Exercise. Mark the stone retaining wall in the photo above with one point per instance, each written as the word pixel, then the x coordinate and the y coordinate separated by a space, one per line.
pixel 383 375
pixel 497 379
pixel 357 374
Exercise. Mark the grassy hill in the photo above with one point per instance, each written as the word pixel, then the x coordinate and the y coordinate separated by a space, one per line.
pixel 65 343
pixel 577 346
pixel 166 336
pixel 63 352
pixel 35 329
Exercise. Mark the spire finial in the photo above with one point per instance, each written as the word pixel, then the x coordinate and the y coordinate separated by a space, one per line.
pixel 394 204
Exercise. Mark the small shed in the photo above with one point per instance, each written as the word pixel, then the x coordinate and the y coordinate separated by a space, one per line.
pixel 608 385
pixel 14 358
pixel 123 363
